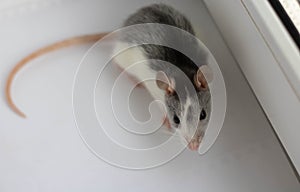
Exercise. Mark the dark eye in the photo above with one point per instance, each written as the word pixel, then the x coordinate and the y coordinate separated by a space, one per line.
pixel 202 115
pixel 176 119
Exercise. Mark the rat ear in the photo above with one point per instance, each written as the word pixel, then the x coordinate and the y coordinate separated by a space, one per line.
pixel 165 83
pixel 203 76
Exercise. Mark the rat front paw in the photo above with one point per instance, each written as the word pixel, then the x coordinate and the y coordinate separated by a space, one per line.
pixel 166 122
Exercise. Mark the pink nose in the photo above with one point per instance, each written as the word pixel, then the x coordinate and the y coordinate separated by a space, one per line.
pixel 193 145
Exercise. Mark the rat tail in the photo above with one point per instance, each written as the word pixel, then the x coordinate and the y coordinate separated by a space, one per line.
pixel 59 45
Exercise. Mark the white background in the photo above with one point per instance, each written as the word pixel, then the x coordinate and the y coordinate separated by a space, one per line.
pixel 45 153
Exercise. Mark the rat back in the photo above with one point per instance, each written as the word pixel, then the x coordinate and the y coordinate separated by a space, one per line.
pixel 157 13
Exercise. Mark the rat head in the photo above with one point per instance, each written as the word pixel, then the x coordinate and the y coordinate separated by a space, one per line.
pixel 188 107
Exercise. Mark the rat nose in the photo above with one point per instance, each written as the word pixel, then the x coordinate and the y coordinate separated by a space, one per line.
pixel 193 145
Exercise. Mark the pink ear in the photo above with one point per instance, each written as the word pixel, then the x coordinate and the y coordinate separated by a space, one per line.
pixel 203 76
pixel 164 83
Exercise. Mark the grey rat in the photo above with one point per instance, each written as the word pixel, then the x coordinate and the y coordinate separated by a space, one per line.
pixel 181 109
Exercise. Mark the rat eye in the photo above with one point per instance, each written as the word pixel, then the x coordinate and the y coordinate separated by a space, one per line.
pixel 176 119
pixel 202 115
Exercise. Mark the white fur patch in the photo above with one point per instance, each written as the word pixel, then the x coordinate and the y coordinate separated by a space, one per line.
pixel 185 125
pixel 128 60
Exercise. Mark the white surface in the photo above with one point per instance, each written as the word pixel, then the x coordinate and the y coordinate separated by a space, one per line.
pixel 269 59
pixel 45 152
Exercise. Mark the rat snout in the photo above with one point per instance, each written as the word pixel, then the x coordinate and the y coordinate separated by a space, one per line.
pixel 193 145
pixel 194 142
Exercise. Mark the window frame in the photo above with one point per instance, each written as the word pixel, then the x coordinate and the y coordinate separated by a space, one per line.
pixel 269 59
pixel 286 20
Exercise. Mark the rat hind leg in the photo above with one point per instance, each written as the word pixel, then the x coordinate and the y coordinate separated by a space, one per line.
pixel 132 78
